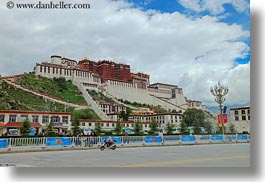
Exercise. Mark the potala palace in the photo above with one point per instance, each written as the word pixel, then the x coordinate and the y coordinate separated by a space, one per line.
pixel 116 81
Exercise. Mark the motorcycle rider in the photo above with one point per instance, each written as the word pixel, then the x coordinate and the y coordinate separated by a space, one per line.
pixel 110 141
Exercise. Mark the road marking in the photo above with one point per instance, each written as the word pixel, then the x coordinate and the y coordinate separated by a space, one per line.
pixel 149 164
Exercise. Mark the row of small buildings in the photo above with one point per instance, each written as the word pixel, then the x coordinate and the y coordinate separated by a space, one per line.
pixel 12 120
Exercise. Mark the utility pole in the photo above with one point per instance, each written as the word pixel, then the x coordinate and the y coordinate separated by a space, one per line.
pixel 220 91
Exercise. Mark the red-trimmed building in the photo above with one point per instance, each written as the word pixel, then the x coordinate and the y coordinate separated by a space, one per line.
pixel 107 70
pixel 12 120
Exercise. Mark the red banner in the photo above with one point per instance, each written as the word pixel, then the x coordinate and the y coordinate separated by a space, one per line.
pixel 224 116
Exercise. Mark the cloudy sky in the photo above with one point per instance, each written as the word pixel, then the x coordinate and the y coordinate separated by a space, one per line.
pixel 189 43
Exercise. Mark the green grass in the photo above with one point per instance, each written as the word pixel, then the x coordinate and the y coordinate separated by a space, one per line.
pixel 57 87
pixel 12 98
pixel 84 114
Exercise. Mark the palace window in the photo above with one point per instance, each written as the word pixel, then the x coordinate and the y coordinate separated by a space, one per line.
pixel 45 119
pixel 2 118
pixel 243 118
pixel 236 112
pixel 12 118
pixel 65 119
pixel 236 118
pixel 55 119
pixel 23 117
pixel 35 118
pixel 243 112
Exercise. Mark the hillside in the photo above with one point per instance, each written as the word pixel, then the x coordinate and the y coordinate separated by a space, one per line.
pixel 57 87
pixel 12 98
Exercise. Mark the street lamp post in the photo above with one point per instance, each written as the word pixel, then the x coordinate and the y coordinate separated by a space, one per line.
pixel 219 91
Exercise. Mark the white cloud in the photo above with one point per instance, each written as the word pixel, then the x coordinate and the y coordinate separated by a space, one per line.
pixel 192 53
pixel 238 81
pixel 215 7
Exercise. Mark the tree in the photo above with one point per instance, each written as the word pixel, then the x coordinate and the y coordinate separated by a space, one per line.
pixel 197 129
pixel 138 128
pixel 232 128
pixel 190 116
pixel 76 127
pixel 183 128
pixel 169 128
pixel 208 127
pixel 124 115
pixel 50 131
pixel 25 129
pixel 220 129
pixel 153 127
pixel 98 128
pixel 118 127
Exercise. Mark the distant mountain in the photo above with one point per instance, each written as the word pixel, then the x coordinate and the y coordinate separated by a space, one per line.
pixel 215 109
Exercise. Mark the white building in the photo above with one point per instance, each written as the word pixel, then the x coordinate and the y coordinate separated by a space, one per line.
pixel 109 125
pixel 110 108
pixel 240 117
pixel 162 119
pixel 12 120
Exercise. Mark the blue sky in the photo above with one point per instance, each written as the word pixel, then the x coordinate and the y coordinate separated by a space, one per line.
pixel 232 15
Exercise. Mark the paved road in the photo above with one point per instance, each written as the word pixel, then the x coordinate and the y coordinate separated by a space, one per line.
pixel 214 155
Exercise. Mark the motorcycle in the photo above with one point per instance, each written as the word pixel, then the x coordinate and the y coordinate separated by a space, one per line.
pixel 107 145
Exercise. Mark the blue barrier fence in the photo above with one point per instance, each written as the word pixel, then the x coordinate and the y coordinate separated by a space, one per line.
pixel 58 142
pixel 242 137
pixel 217 137
pixel 119 140
pixel 3 143
pixel 153 139
pixel 188 138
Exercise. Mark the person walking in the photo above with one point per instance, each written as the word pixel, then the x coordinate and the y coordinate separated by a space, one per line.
pixel 161 136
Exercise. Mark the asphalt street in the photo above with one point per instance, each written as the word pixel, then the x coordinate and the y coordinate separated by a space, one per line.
pixel 214 155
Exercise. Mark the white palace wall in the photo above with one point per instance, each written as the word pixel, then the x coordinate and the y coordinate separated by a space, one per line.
pixel 130 92
pixel 85 77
